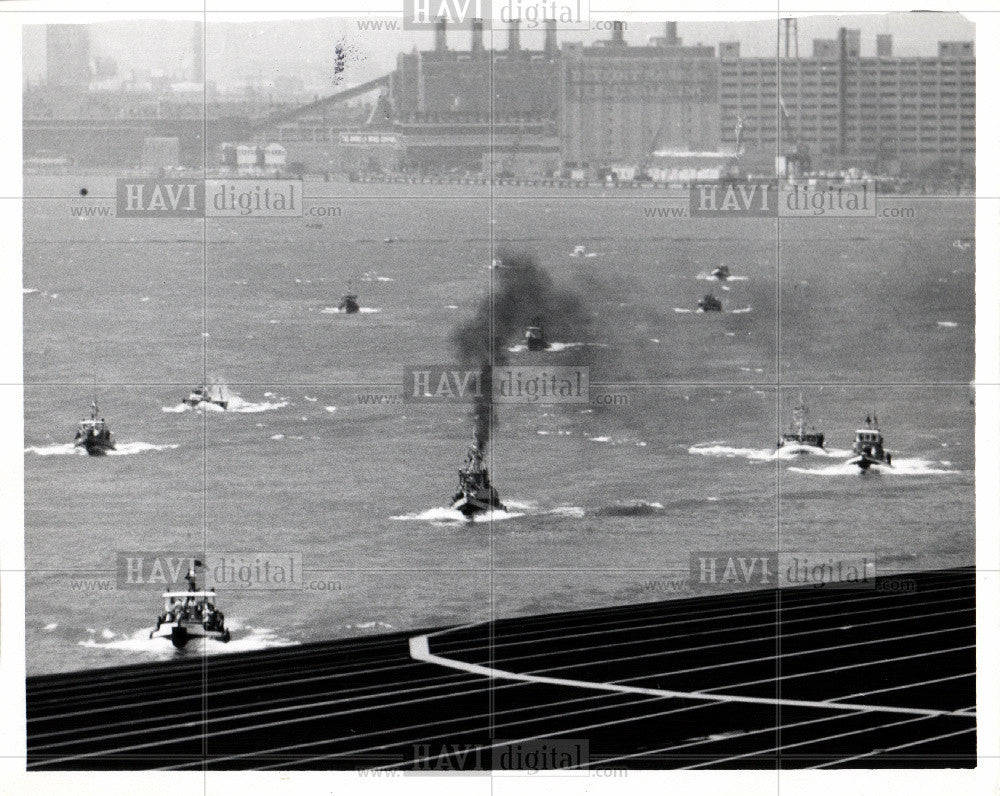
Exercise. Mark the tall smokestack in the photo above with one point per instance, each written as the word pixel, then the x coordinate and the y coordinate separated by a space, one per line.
pixel 514 36
pixel 551 46
pixel 198 55
pixel 440 43
pixel 671 33
pixel 477 37
pixel 618 34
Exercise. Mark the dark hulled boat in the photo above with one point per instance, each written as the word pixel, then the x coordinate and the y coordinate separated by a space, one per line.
pixel 534 336
pixel 93 435
pixel 475 492
pixel 349 304
pixel 709 303
pixel 721 273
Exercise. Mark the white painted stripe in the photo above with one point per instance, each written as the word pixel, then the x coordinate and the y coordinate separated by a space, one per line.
pixel 887 749
pixel 420 650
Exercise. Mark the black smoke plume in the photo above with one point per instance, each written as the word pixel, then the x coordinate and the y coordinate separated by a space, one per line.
pixel 521 291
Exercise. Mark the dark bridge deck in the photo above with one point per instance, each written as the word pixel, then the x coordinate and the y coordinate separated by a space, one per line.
pixel 787 679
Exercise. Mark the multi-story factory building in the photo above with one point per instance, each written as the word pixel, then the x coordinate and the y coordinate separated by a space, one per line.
pixel 619 103
pixel 842 109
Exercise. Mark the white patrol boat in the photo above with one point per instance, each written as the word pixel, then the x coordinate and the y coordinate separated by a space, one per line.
pixel 869 447
pixel 203 395
pixel 799 440
pixel 190 614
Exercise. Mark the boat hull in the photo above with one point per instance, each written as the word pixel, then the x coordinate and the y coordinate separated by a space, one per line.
pixel 866 463
pixel 180 633
pixel 95 447
pixel 196 402
pixel 800 448
pixel 472 504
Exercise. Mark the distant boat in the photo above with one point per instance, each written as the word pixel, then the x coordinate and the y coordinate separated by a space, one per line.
pixel 869 446
pixel 93 435
pixel 721 273
pixel 797 439
pixel 203 395
pixel 709 303
pixel 475 492
pixel 349 304
pixel 534 336
pixel 190 614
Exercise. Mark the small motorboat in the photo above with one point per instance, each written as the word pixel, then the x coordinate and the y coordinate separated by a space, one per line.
pixel 797 439
pixel 709 303
pixel 869 446
pixel 93 435
pixel 349 304
pixel 721 273
pixel 534 336
pixel 190 614
pixel 203 395
pixel 475 492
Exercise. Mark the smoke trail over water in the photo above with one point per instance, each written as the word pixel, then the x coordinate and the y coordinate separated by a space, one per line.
pixel 521 292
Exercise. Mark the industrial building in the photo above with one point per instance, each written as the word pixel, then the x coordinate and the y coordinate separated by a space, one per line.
pixel 607 108
pixel 840 109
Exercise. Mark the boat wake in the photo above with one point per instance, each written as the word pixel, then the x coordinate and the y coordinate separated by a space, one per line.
pixel 123 449
pixel 556 347
pixel 236 405
pixel 636 508
pixel 785 452
pixel 338 311
pixel 729 452
pixel 244 639
pixel 899 467
pixel 446 516
pixel 706 277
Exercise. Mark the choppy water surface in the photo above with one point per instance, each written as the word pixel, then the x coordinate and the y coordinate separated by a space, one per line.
pixel 318 454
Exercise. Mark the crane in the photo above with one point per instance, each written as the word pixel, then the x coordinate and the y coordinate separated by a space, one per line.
pixel 796 156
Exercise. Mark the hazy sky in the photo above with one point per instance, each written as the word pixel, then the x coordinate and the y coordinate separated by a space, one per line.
pixel 305 48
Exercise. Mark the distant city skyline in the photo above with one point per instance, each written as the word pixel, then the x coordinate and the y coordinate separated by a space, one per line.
pixel 305 49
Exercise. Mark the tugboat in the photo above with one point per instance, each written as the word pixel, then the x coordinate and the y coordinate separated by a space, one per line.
pixel 93 435
pixel 869 446
pixel 797 438
pixel 190 614
pixel 709 303
pixel 721 273
pixel 475 492
pixel 534 337
pixel 203 395
pixel 349 304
